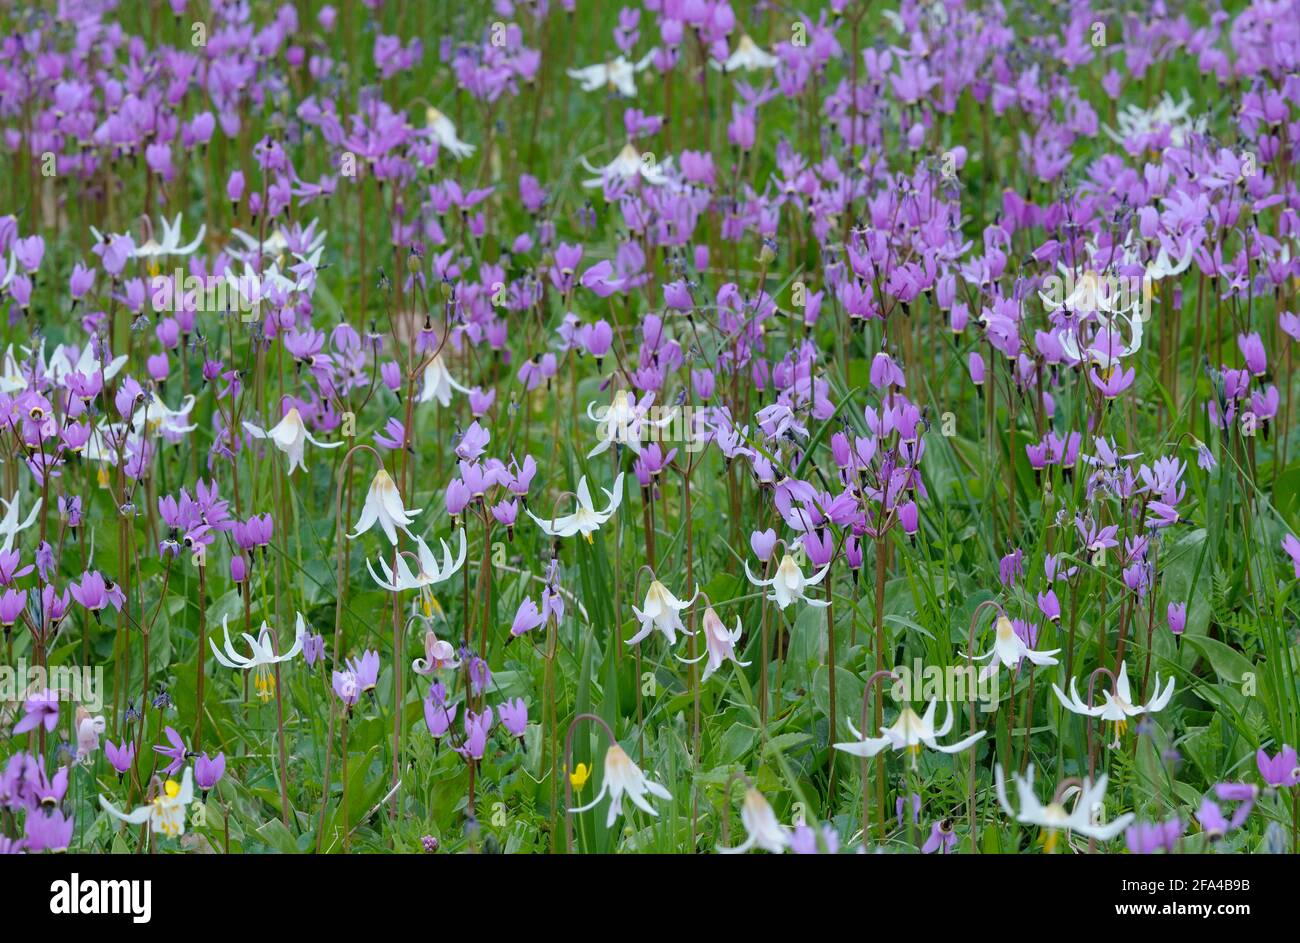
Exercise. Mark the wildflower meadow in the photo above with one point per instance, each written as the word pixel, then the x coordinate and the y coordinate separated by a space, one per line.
pixel 687 426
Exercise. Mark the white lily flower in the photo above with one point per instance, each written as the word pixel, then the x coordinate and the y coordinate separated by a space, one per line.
pixel 166 814
pixel 384 506
pixel 276 244
pixel 9 526
pixel 157 418
pixel 909 732
pixel 624 778
pixel 1118 706
pixel 761 827
pixel 748 56
pixel 431 573
pixel 1008 648
pixel 170 244
pixel 87 364
pixel 619 74
pixel 789 583
pixel 261 655
pixel 1135 122
pixel 628 164
pixel 290 436
pixel 623 422
pixel 661 610
pixel 12 378
pixel 437 654
pixel 1104 357
pixel 438 383
pixel 1053 815
pixel 720 644
pixel 444 132
pixel 586 520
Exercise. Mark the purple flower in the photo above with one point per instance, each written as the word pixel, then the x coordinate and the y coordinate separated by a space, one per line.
pixel 942 838
pixel 514 716
pixel 48 832
pixel 177 751
pixel 1177 617
pixel 120 757
pixel 1280 770
pixel 527 618
pixel 208 771
pixel 477 727
pixel 763 542
pixel 40 709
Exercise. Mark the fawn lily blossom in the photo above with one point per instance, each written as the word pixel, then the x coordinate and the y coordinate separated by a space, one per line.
pixel 1008 648
pixel 624 778
pixel 761 827
pixel 166 814
pixel 908 732
pixel 9 526
pixel 586 520
pixel 619 74
pixel 623 422
pixel 170 243
pixel 431 572
pixel 261 655
pixel 384 506
pixel 789 583
pixel 444 132
pixel 720 642
pixel 1053 816
pixel 661 610
pixel 438 383
pixel 1118 706
pixel 748 56
pixel 628 164
pixel 290 436
pixel 157 418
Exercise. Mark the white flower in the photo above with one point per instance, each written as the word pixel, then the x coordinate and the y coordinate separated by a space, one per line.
pixel 789 583
pixel 170 244
pixel 720 644
pixel 619 74
pixel 437 654
pixel 748 57
pixel 9 526
pixel 290 436
pixel 1008 648
pixel 1053 815
pixel 261 655
pixel 628 164
pixel 444 132
pixel 157 418
pixel 12 378
pixel 1118 706
pixel 909 732
pixel 438 383
pixel 431 573
pixel 89 730
pixel 661 610
pixel 88 364
pixel 761 827
pixel 623 422
pixel 1135 122
pixel 166 814
pixel 384 505
pixel 586 520
pixel 623 777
